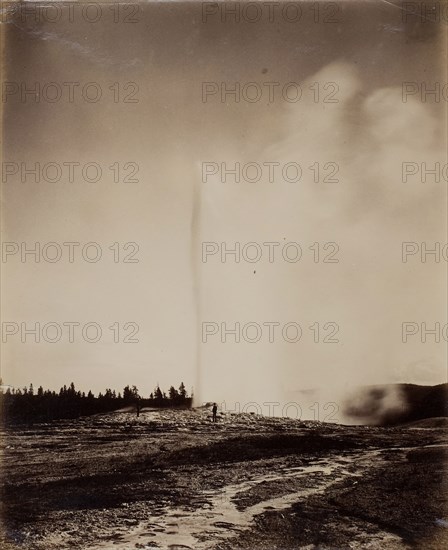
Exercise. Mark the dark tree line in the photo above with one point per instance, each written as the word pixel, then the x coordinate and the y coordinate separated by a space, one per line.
pixel 28 405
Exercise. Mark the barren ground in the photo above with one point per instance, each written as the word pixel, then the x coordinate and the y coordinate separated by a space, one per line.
pixel 172 479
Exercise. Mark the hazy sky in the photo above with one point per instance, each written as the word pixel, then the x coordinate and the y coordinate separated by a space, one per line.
pixel 365 55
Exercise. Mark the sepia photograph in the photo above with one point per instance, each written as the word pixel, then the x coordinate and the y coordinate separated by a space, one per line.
pixel 224 275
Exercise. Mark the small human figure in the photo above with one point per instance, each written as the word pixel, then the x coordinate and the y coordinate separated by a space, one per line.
pixel 214 411
pixel 137 406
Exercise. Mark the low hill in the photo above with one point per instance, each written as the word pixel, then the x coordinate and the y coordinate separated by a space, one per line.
pixel 429 423
pixel 394 404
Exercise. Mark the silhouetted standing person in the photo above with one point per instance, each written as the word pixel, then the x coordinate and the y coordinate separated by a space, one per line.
pixel 214 411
